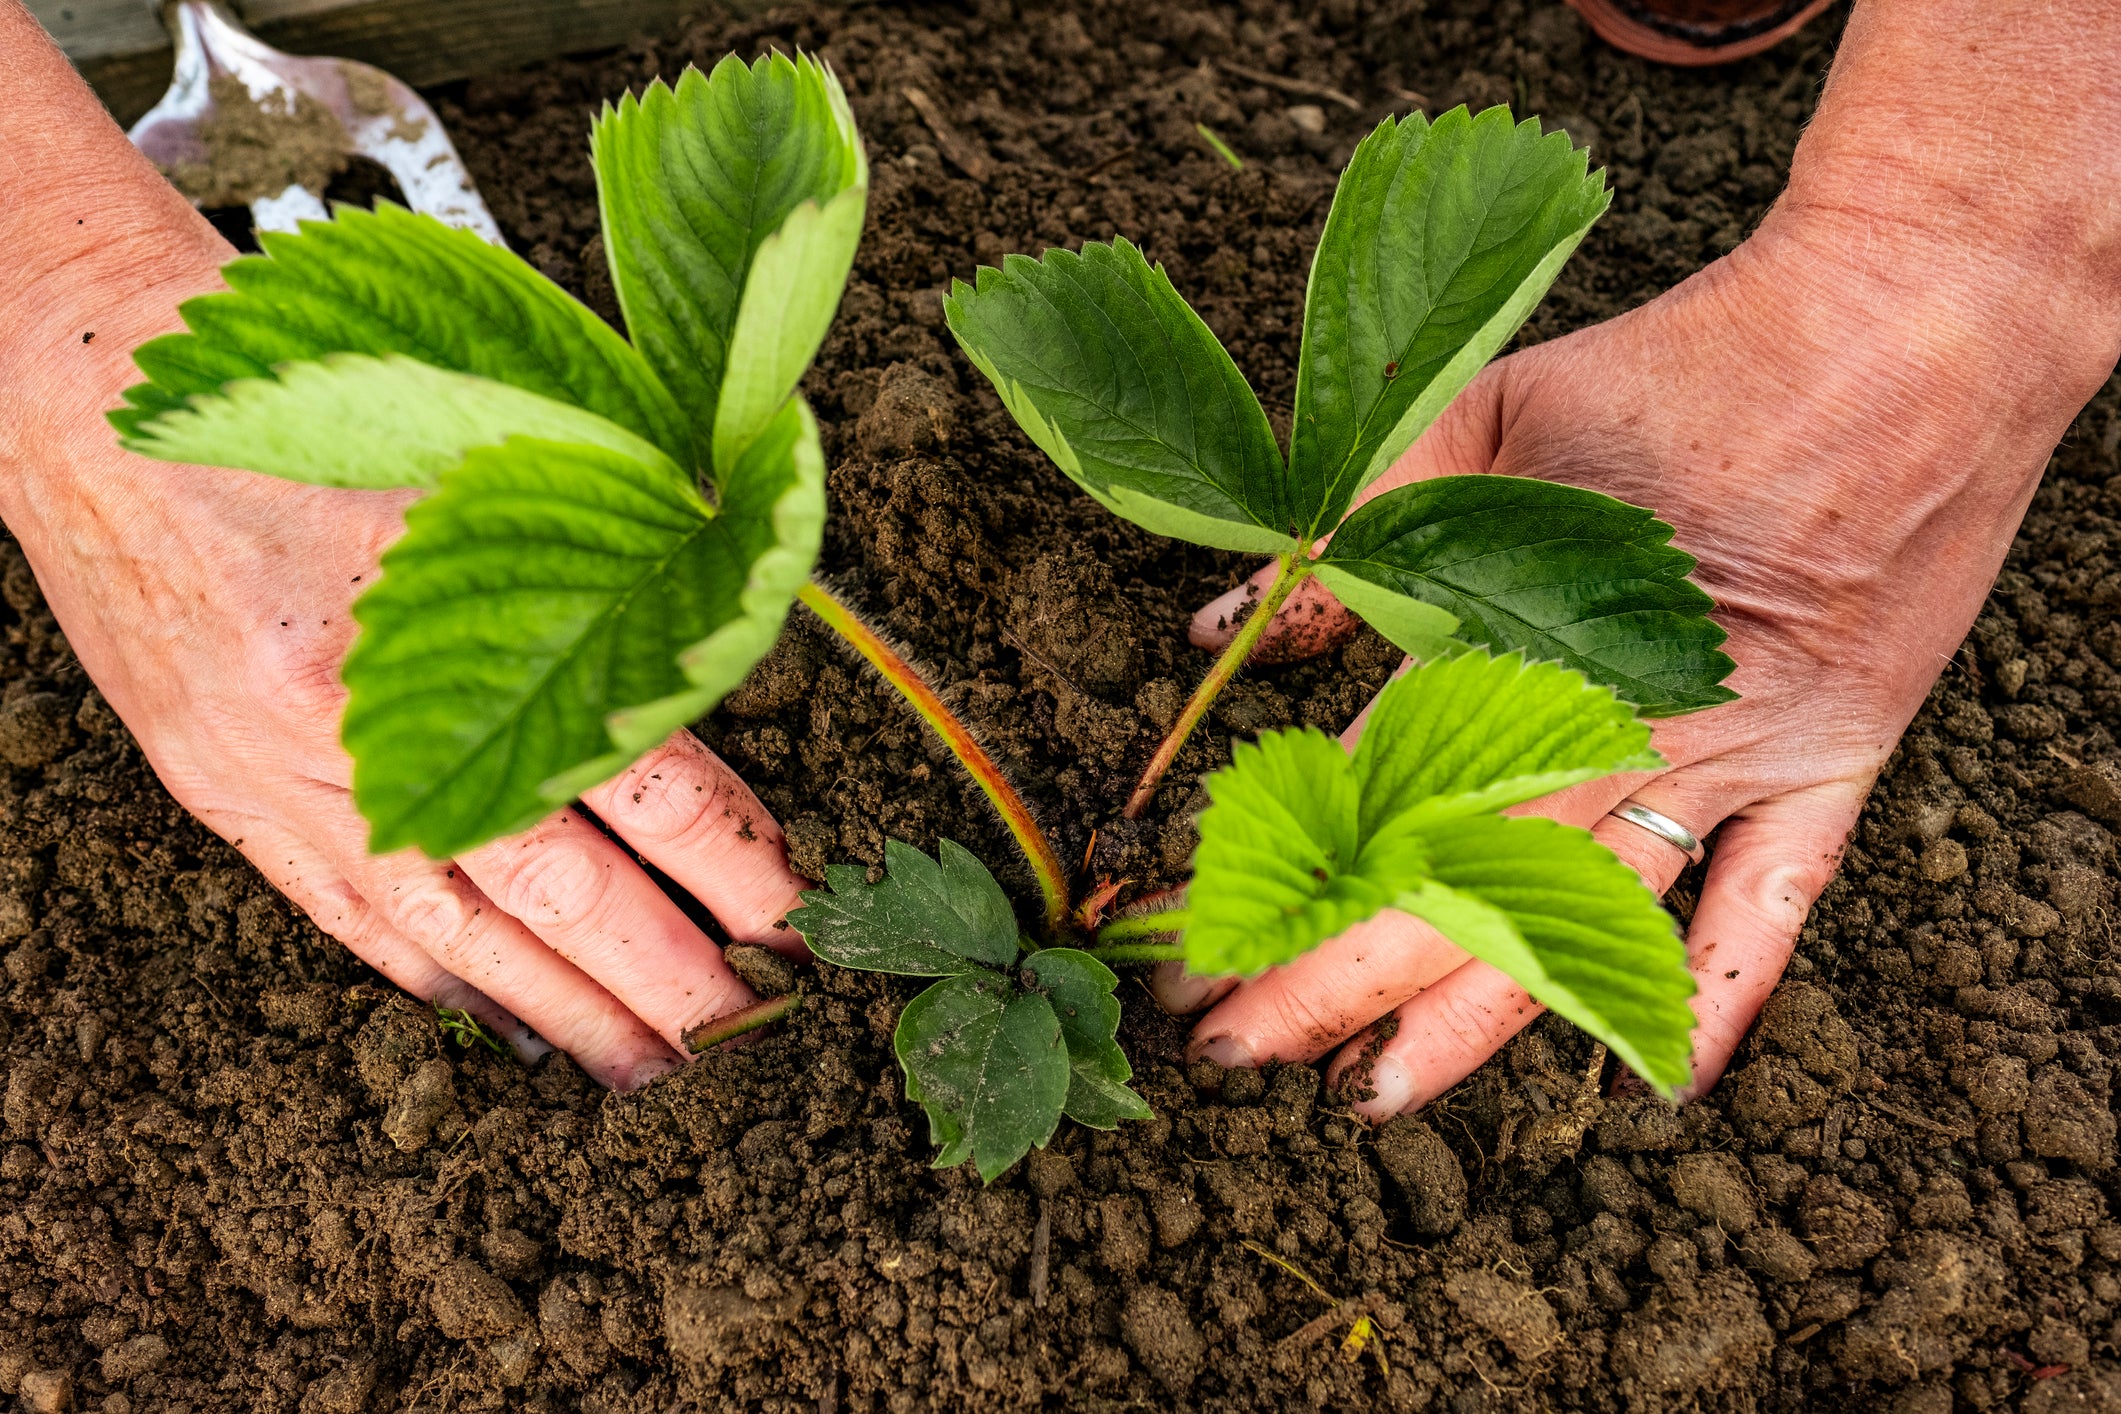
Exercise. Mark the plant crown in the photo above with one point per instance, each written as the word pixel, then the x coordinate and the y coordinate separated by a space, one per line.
pixel 567 595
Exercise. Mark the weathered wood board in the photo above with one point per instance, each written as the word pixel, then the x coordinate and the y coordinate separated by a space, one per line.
pixel 120 47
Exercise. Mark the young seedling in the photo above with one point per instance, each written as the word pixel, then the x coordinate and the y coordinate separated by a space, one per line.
pixel 1441 239
pixel 615 530
pixel 1012 1038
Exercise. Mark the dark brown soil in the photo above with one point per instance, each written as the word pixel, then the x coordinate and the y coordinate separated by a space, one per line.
pixel 239 1175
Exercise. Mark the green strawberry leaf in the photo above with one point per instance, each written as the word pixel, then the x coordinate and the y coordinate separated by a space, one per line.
pixel 693 182
pixel 545 587
pixel 1474 734
pixel 1279 868
pixel 989 1065
pixel 1567 921
pixel 354 420
pixel 1301 842
pixel 390 282
pixel 1116 379
pixel 926 918
pixel 1080 990
pixel 1441 239
pixel 1555 571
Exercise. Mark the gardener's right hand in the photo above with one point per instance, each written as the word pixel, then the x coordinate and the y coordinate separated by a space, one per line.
pixel 211 609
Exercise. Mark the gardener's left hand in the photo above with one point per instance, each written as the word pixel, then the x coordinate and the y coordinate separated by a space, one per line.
pixel 1848 552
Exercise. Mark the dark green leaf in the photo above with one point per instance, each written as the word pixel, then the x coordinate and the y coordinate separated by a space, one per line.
pixel 1556 572
pixel 692 181
pixel 390 282
pixel 988 1064
pixel 1080 990
pixel 924 919
pixel 1572 925
pixel 1440 241
pixel 1118 380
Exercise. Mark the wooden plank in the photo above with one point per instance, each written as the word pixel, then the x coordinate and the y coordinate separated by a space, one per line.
pixel 118 45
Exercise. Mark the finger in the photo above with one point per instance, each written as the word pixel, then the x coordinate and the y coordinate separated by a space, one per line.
pixel 579 892
pixel 454 922
pixel 690 816
pixel 1301 1010
pixel 1181 993
pixel 1442 1036
pixel 309 881
pixel 1771 862
pixel 1310 621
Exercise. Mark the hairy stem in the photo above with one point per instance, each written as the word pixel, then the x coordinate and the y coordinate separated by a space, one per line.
pixel 709 1034
pixel 1120 954
pixel 1143 925
pixel 1289 573
pixel 1052 879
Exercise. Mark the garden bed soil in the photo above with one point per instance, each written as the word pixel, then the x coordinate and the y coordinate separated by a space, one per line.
pixel 240 1174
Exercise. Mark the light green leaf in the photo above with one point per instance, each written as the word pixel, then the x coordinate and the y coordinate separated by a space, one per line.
pixel 1555 571
pixel 926 918
pixel 691 183
pixel 544 586
pixel 1411 625
pixel 1080 990
pixel 391 282
pixel 1279 866
pixel 1572 925
pixel 789 298
pixel 772 510
pixel 1115 377
pixel 1474 734
pixel 1441 240
pixel 353 420
pixel 989 1065
pixel 1300 843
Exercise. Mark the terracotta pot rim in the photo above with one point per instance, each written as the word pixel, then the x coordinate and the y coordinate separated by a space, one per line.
pixel 1632 34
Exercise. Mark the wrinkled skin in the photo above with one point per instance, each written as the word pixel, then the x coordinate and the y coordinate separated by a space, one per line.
pixel 211 607
pixel 1849 453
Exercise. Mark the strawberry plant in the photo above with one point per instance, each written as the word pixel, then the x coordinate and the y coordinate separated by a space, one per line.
pixel 1440 240
pixel 614 530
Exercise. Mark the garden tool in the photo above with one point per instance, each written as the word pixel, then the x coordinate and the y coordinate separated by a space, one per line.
pixel 246 125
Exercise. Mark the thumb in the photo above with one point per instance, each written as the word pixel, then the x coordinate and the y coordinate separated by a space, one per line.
pixel 1464 439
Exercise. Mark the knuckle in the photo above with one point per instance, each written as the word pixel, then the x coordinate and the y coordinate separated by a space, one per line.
pixel 676 796
pixel 552 881
pixel 434 912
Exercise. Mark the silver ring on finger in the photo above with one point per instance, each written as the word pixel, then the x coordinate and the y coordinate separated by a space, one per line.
pixel 1663 826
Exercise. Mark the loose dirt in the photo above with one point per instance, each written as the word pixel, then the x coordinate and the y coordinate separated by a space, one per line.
pixel 237 1173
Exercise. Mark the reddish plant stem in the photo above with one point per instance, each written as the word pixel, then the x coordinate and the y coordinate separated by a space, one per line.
pixel 1289 573
pixel 1045 864
pixel 709 1034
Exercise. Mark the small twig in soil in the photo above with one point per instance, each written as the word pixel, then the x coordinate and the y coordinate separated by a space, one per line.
pixel 1041 1255
pixel 1408 95
pixel 1302 86
pixel 1009 637
pixel 1919 1121
pixel 1103 162
pixel 952 144
pixel 709 1034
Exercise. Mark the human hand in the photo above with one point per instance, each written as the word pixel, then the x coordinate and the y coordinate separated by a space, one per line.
pixel 211 607
pixel 1849 456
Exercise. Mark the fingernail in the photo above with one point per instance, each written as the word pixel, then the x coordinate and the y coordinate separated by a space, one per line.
pixel 1226 1051
pixel 1393 1087
pixel 1176 990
